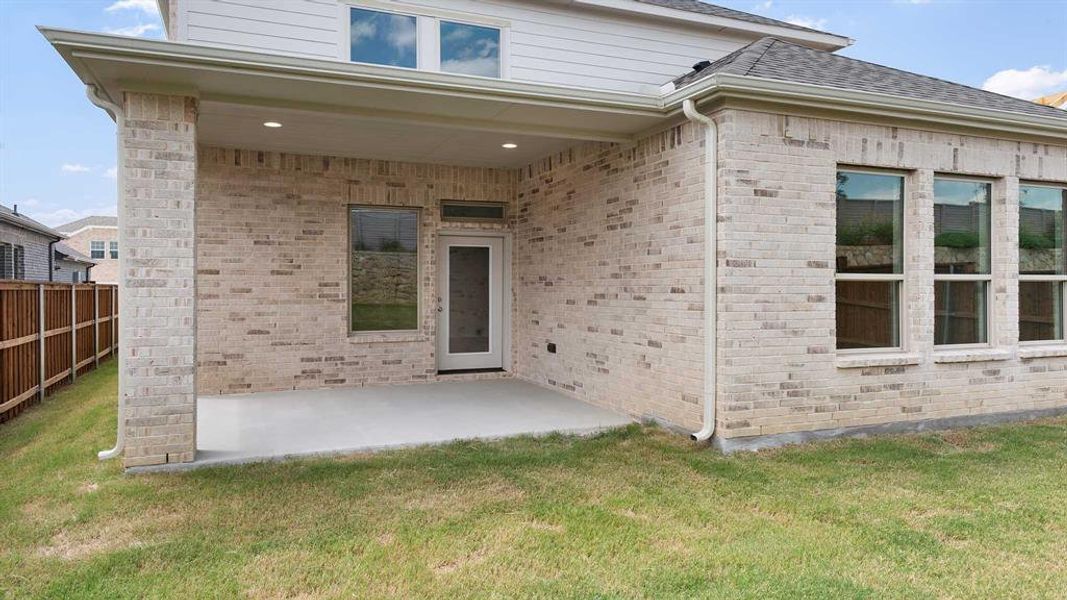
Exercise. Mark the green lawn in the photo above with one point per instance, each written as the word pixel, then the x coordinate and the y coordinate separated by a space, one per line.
pixel 384 317
pixel 635 513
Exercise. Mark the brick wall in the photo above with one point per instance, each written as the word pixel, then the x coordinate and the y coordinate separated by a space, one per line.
pixel 779 371
pixel 157 371
pixel 107 268
pixel 35 249
pixel 272 279
pixel 608 265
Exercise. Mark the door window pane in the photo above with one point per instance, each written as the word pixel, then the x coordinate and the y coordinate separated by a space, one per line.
pixel 383 38
pixel 470 49
pixel 385 269
pixel 870 223
pixel 1041 239
pixel 961 226
pixel 867 315
pixel 468 299
pixel 960 312
pixel 1040 310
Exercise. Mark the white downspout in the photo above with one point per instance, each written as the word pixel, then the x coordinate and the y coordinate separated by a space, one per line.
pixel 711 253
pixel 116 113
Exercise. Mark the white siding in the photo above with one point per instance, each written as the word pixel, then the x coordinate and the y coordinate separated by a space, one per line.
pixel 548 43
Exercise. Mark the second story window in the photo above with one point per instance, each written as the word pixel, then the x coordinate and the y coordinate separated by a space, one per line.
pixel 383 38
pixel 425 41
pixel 113 249
pixel 96 249
pixel 470 49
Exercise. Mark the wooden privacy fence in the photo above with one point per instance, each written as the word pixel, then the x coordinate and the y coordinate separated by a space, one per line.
pixel 49 334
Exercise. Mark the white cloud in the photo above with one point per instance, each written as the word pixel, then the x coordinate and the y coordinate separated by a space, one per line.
pixel 809 22
pixel 763 6
pixel 112 173
pixel 402 32
pixel 66 215
pixel 134 30
pixel 914 1
pixel 1029 84
pixel 75 168
pixel 149 7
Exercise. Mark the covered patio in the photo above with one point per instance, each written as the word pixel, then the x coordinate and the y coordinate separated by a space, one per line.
pixel 241 428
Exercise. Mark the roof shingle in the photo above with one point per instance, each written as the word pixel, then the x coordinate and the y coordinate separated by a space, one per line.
pixel 93 221
pixel 772 58
pixel 697 6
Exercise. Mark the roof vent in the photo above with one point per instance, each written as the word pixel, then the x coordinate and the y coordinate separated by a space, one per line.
pixel 700 66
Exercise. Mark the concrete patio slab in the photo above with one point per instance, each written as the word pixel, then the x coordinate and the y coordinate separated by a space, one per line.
pixel 275 425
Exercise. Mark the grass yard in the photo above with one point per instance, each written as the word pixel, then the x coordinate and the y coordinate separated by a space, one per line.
pixel 384 317
pixel 635 513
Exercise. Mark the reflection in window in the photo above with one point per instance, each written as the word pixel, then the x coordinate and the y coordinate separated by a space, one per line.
pixel 383 38
pixel 384 269
pixel 962 261
pixel 870 259
pixel 961 226
pixel 470 49
pixel 1042 273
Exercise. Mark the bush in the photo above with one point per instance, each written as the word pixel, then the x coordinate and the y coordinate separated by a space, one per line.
pixel 866 234
pixel 957 239
pixel 1035 241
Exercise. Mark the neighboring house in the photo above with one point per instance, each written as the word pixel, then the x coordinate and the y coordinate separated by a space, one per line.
pixel 1054 100
pixel 72 266
pixel 98 238
pixel 776 244
pixel 32 251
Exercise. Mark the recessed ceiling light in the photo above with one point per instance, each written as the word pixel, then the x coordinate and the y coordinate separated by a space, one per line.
pixel 509 146
pixel 272 124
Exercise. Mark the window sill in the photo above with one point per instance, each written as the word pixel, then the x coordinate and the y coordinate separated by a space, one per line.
pixel 387 336
pixel 1043 351
pixel 971 355
pixel 888 359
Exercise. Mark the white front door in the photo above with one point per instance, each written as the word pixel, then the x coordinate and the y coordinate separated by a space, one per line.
pixel 470 288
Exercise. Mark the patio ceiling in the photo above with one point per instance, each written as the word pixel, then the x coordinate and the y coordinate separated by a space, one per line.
pixel 339 108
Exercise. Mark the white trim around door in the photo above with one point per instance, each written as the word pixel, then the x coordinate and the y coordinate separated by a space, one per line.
pixel 471 307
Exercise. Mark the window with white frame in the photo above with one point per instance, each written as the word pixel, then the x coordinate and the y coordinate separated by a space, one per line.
pixel 96 249
pixel 1042 272
pixel 962 261
pixel 417 40
pixel 870 259
pixel 113 249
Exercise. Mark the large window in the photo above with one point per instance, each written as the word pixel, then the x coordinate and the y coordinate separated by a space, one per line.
pixel 962 261
pixel 113 250
pixel 384 259
pixel 470 49
pixel 870 259
pixel 1042 275
pixel 96 249
pixel 424 41
pixel 383 38
pixel 19 261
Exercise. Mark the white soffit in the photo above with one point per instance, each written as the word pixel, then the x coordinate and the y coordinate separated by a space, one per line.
pixel 310 132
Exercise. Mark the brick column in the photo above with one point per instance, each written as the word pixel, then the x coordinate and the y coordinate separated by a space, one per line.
pixel 157 230
pixel 1005 291
pixel 919 266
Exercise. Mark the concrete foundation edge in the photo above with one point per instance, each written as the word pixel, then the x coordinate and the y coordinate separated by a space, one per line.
pixel 754 443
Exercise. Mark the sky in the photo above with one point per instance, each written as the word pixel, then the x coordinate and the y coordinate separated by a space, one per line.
pixel 57 151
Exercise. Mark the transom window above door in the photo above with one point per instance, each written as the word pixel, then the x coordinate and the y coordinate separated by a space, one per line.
pixel 420 38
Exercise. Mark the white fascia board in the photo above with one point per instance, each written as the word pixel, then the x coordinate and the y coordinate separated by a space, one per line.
pixel 871 103
pixel 829 41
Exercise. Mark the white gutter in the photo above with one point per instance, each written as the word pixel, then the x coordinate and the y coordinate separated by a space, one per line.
pixel 711 259
pixel 116 113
